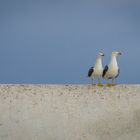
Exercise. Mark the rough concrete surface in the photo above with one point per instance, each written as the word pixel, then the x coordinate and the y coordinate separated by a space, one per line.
pixel 69 112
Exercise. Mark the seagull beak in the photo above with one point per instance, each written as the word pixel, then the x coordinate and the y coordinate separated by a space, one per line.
pixel 101 54
pixel 119 53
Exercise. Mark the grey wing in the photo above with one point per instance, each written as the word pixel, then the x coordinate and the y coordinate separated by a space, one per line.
pixel 91 70
pixel 118 73
pixel 105 70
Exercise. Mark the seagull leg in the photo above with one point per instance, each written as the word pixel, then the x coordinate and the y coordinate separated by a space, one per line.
pixel 108 84
pixel 99 82
pixel 113 82
pixel 92 81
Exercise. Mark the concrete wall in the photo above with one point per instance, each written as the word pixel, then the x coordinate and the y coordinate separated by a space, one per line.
pixel 69 112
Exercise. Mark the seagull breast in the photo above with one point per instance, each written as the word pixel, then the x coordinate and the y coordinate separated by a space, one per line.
pixel 112 72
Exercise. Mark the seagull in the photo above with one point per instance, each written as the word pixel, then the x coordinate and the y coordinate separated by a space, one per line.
pixel 112 70
pixel 97 70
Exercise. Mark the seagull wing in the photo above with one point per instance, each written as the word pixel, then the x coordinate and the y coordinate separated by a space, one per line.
pixel 118 73
pixel 105 70
pixel 91 70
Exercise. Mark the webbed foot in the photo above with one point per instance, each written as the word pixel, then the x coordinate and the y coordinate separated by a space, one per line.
pixel 100 85
pixel 108 85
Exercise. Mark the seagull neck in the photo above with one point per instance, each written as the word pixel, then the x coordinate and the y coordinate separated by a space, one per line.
pixel 113 61
pixel 98 62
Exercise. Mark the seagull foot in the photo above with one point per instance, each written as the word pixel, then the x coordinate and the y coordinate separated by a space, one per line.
pixel 100 85
pixel 108 85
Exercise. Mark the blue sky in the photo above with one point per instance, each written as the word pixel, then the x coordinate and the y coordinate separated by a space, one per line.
pixel 57 41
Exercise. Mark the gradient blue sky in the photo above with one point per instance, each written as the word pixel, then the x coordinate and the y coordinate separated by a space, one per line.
pixel 56 41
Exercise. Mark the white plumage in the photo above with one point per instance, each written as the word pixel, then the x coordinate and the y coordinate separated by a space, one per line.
pixel 97 70
pixel 112 70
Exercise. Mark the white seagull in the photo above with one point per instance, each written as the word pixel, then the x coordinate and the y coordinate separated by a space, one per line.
pixel 112 70
pixel 97 70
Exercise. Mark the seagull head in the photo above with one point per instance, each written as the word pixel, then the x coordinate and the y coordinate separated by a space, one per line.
pixel 116 53
pixel 100 55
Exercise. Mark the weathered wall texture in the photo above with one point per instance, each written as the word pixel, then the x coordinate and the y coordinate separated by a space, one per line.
pixel 69 112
